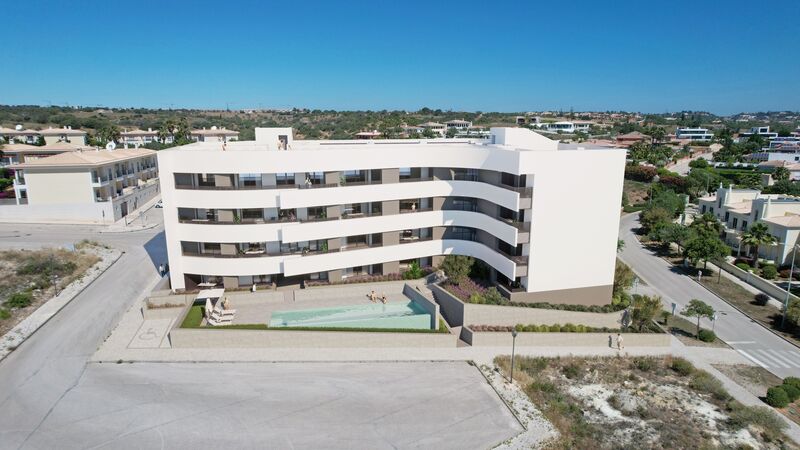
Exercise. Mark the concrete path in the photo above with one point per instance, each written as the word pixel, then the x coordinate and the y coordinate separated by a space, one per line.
pixel 747 337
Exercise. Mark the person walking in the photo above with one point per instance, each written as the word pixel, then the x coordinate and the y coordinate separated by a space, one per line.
pixel 620 345
pixel 161 270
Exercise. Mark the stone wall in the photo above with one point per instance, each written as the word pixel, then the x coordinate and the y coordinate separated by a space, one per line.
pixel 757 282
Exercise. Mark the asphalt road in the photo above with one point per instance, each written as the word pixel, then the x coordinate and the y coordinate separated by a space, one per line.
pixel 41 371
pixel 747 337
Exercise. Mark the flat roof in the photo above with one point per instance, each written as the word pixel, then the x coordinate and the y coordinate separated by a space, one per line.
pixel 214 131
pixel 60 131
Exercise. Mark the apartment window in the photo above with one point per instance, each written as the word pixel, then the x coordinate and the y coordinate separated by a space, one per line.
pixel 250 180
pixel 464 204
pixel 284 179
pixel 727 215
pixel 410 173
pixel 190 248
pixel 744 225
pixel 465 174
pixel 409 205
pixel 703 209
pixel 291 247
pixel 719 203
pixel 355 176
pixel 353 271
pixel 252 214
pixel 315 177
pixel 317 212
pixel 735 222
pixel 352 209
pixel 287 214
pixel 357 241
pixel 211 248
pixel 463 233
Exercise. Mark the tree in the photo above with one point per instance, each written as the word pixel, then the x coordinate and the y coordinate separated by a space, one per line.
pixel 644 310
pixel 670 233
pixel 108 134
pixel 620 245
pixel 652 218
pixel 756 236
pixel 428 133
pixel 704 245
pixel 699 309
pixel 657 135
pixel 457 267
pixel 451 132
pixel 780 174
pixel 623 279
pixel 639 151
pixel 706 222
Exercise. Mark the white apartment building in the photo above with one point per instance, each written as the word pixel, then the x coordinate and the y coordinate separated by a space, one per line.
pixel 459 124
pixel 436 127
pixel 279 210
pixel 565 127
pixel 83 186
pixel 65 134
pixel 137 138
pixel 18 135
pixel 694 134
pixel 20 153
pixel 757 131
pixel 214 134
pixel 738 209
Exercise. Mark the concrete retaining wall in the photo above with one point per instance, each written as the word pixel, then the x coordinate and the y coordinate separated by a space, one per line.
pixel 161 313
pixel 525 339
pixel 221 338
pixel 429 306
pixel 458 313
pixel 757 282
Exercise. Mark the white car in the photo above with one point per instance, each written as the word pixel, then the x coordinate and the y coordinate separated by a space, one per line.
pixel 160 204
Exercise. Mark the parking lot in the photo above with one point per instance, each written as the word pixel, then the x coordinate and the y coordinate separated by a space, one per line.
pixel 269 405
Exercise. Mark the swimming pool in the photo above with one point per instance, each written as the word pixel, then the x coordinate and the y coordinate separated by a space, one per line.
pixel 374 315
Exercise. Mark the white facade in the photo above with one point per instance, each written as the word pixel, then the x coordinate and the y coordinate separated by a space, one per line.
pixel 277 208
pixel 694 134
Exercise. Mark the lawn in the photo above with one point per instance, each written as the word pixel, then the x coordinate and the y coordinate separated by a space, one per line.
pixel 642 402
pixel 686 331
pixel 27 278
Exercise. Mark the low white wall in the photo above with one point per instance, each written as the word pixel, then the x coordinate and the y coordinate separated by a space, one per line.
pixel 757 282
pixel 59 213
pixel 459 313
pixel 221 338
pixel 525 339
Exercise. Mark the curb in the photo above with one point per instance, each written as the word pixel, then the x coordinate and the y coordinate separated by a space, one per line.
pixel 497 393
pixel 2 357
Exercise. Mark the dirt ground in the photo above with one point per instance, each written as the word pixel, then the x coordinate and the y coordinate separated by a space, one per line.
pixel 24 271
pixel 655 402
pixel 756 380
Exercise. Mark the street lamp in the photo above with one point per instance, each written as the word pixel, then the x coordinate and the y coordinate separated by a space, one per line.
pixel 513 346
pixel 788 288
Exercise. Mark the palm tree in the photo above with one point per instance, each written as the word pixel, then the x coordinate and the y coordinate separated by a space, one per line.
pixel 706 222
pixel 756 236
pixel 780 174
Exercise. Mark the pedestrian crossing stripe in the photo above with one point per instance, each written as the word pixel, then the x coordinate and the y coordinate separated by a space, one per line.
pixel 772 358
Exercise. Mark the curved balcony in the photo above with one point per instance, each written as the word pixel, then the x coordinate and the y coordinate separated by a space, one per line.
pixel 312 262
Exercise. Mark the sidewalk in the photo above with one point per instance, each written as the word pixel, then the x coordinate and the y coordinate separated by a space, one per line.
pixel 136 221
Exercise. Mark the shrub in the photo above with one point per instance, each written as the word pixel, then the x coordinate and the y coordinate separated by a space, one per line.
pixel 555 328
pixel 494 297
pixel 769 272
pixel 640 173
pixel 792 381
pixel 785 273
pixel 476 298
pixel 19 299
pixel 682 366
pixel 777 397
pixel 760 416
pixel 761 299
pixel 571 371
pixel 707 336
pixel 792 391
pixel 644 364
pixel 744 266
pixel 705 382
pixel 4 314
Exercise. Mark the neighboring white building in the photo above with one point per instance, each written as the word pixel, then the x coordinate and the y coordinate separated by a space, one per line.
pixel 459 124
pixel 285 211
pixel 85 186
pixel 565 127
pixel 214 134
pixel 18 135
pixel 738 209
pixel 436 127
pixel 65 134
pixel 137 138
pixel 760 131
pixel 694 134
pixel 20 153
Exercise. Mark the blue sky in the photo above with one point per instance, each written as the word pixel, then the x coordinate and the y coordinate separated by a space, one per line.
pixel 721 56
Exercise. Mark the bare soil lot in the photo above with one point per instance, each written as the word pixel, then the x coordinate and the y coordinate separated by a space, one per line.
pixel 28 278
pixel 660 403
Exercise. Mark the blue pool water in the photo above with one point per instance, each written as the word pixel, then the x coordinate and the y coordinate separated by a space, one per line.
pixel 373 315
